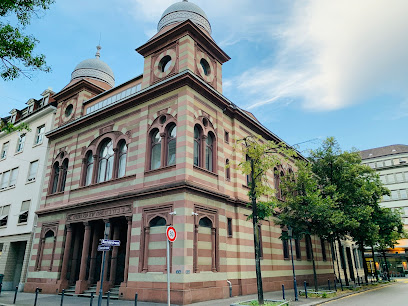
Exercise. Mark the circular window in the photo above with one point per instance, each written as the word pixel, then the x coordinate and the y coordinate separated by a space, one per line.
pixel 68 110
pixel 162 119
pixel 165 63
pixel 206 66
pixel 205 122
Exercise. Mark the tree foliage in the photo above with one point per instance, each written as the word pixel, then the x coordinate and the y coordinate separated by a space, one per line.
pixel 16 48
pixel 8 127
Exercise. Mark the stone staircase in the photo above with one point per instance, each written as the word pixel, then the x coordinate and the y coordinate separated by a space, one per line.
pixel 70 291
pixel 114 292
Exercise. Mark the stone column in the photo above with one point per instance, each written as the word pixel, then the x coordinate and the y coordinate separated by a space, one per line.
pixel 115 163
pixel 94 254
pixel 146 248
pixel 163 150
pixel 65 260
pixel 195 249
pixel 82 284
pixel 114 259
pixel 75 256
pixel 128 241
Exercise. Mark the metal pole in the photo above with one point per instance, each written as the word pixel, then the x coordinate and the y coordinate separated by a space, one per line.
pixel 135 299
pixel 107 300
pixel 62 297
pixel 36 296
pixel 328 282
pixel 283 291
pixel 293 270
pixel 103 267
pixel 305 289
pixel 15 295
pixel 168 272
pixel 92 297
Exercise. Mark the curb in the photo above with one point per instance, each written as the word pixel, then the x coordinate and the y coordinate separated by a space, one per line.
pixel 350 294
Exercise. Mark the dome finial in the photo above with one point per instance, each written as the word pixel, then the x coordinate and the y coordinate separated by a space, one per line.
pixel 98 54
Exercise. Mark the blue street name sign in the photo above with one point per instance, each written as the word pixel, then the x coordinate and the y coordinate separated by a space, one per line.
pixel 103 248
pixel 108 242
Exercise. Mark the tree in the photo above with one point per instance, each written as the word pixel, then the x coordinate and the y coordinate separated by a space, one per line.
pixel 305 210
pixel 259 159
pixel 355 188
pixel 8 127
pixel 16 48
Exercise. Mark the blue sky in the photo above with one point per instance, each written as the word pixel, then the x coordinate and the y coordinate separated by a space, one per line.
pixel 307 69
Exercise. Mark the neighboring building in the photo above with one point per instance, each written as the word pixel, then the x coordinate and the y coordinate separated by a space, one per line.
pixel 151 153
pixel 391 163
pixel 22 164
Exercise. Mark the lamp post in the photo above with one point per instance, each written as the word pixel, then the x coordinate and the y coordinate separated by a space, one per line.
pixel 293 264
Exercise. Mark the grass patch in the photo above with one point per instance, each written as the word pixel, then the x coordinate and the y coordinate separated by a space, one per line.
pixel 319 294
pixel 267 303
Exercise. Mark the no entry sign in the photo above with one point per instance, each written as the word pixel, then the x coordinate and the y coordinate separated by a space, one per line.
pixel 171 234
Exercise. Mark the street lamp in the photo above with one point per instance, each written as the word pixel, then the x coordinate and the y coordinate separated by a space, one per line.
pixel 293 264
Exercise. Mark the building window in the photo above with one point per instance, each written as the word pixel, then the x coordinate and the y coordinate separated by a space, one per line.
pixel 227 170
pixel 229 227
pixel 39 136
pixel 171 144
pixel 209 149
pixel 403 193
pixel 197 145
pixel 23 216
pixel 226 137
pixel 32 171
pixel 105 163
pixel 308 247
pixel 4 211
pixel 324 255
pixel 391 178
pixel 55 177
pixel 4 150
pixel 383 179
pixel 155 158
pixel 298 250
pixel 277 184
pixel 157 221
pixel 64 174
pixel 400 177
pixel 394 194
pixel 122 159
pixel 248 176
pixel 20 143
pixel 89 168
pixel 9 178
pixel 285 245
pixel 388 163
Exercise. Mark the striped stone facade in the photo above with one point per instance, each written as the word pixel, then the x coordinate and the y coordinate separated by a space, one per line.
pixel 138 204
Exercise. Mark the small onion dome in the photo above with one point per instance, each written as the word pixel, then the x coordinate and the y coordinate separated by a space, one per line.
pixel 180 12
pixel 94 68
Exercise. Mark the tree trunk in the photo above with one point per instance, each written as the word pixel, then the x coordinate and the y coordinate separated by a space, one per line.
pixel 332 256
pixel 361 246
pixel 256 239
pixel 343 262
pixel 375 267
pixel 314 264
pixel 386 265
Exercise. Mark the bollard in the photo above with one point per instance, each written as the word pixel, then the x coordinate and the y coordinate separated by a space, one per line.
pixel 62 296
pixel 283 291
pixel 36 296
pixel 305 289
pixel 107 300
pixel 135 299
pixel 1 286
pixel 15 295
pixel 92 297
pixel 328 282
pixel 358 278
pixel 335 285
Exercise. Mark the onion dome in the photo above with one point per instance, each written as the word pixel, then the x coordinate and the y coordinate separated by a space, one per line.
pixel 94 68
pixel 182 11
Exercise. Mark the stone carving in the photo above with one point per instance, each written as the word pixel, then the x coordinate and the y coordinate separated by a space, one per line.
pixel 100 213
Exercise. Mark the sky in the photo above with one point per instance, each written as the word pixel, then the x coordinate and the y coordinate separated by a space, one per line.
pixel 306 69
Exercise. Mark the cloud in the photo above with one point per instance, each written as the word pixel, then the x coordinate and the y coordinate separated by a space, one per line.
pixel 333 54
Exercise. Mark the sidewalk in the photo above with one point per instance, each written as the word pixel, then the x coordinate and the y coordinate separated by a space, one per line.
pixel 27 299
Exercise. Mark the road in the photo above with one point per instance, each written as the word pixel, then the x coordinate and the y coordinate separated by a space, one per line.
pixel 395 294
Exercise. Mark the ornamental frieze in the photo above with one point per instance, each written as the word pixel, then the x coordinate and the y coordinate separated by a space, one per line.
pixel 102 213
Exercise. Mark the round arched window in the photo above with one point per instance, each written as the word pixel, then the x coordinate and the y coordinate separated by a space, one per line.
pixel 206 66
pixel 165 63
pixel 68 110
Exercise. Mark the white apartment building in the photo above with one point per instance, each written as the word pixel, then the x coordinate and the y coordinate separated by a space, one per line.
pixel 23 157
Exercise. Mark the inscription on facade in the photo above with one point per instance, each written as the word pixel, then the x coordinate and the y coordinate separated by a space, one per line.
pixel 100 213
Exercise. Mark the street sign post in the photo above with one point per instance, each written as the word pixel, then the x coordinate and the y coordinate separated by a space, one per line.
pixel 171 235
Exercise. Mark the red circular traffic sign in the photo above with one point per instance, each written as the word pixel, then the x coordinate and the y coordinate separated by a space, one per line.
pixel 171 234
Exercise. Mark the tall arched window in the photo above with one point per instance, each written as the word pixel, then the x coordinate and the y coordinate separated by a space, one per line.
pixel 171 145
pixel 227 170
pixel 155 158
pixel 122 158
pixel 105 165
pixel 277 182
pixel 64 174
pixel 280 189
pixel 89 168
pixel 209 147
pixel 157 221
pixel 55 177
pixel 197 145
pixel 248 176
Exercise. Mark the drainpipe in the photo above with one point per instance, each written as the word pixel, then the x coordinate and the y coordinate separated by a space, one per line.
pixel 230 287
